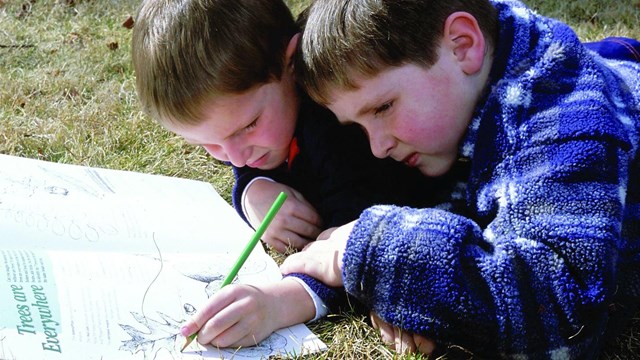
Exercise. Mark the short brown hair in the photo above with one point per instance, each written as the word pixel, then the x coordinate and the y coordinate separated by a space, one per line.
pixel 341 37
pixel 186 52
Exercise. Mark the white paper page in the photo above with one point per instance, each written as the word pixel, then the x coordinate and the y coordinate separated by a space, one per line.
pixel 73 210
pixel 60 206
pixel 115 306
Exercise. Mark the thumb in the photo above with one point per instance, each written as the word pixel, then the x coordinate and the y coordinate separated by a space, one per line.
pixel 190 328
pixel 292 264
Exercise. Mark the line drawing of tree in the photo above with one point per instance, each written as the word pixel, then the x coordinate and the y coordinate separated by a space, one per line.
pixel 163 334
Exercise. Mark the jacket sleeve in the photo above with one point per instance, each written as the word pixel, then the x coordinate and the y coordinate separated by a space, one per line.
pixel 333 298
pixel 538 276
pixel 531 267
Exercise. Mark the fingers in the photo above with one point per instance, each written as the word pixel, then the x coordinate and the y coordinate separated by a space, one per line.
pixel 295 225
pixel 305 211
pixel 301 218
pixel 326 234
pixel 234 316
pixel 283 240
pixel 286 242
pixel 385 329
pixel 319 265
pixel 232 326
pixel 424 345
pixel 190 328
pixel 298 208
pixel 297 263
pixel 291 231
pixel 219 301
pixel 401 341
pixel 321 259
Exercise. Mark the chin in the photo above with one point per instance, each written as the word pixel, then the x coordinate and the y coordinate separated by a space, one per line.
pixel 272 163
pixel 426 172
pixel 434 171
pixel 267 167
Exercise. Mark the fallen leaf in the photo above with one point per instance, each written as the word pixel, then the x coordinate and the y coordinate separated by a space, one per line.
pixel 127 23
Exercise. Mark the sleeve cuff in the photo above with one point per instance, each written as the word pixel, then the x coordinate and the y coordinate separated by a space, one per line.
pixel 243 199
pixel 321 308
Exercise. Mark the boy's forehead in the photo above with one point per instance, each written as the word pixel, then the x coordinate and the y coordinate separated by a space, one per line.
pixel 364 94
pixel 335 89
pixel 363 85
pixel 222 116
pixel 236 103
pixel 352 80
pixel 349 104
pixel 226 102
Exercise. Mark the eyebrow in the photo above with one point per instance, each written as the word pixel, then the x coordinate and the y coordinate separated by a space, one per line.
pixel 253 118
pixel 236 131
pixel 367 108
pixel 374 102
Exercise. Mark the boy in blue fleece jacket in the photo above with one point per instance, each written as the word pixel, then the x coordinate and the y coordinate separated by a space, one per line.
pixel 219 73
pixel 537 252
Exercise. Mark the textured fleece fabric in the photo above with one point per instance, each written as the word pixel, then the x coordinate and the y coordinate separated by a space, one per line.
pixel 543 255
pixel 616 47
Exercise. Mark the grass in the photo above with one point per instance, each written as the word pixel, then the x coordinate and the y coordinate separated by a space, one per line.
pixel 67 95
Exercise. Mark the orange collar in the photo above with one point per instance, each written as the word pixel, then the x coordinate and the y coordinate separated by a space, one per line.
pixel 294 150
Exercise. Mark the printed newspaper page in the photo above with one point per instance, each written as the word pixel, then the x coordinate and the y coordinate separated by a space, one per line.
pixel 104 264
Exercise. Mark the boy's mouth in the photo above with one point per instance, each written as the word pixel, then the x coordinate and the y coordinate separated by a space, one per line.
pixel 258 162
pixel 411 160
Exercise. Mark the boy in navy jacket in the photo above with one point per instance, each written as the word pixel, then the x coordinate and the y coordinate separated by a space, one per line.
pixel 219 73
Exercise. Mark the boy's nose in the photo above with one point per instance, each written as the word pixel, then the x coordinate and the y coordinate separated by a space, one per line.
pixel 236 156
pixel 380 145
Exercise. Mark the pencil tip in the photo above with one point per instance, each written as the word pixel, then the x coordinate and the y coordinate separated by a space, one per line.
pixel 186 343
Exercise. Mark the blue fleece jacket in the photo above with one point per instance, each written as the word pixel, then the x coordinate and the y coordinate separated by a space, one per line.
pixel 543 253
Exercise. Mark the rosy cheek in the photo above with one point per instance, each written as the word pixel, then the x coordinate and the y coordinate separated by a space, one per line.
pixel 216 151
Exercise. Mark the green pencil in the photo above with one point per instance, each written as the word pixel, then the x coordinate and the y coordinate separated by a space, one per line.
pixel 277 204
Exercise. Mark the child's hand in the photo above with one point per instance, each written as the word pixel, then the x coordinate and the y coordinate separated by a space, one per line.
pixel 321 259
pixel 296 223
pixel 244 315
pixel 401 341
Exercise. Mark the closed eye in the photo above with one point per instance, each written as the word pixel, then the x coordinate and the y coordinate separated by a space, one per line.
pixel 249 127
pixel 382 108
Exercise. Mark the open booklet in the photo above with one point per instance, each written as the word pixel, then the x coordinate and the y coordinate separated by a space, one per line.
pixel 107 264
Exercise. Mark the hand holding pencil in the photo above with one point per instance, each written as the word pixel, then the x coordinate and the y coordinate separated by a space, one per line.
pixel 190 330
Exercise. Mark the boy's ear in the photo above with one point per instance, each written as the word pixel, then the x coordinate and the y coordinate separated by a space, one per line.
pixel 463 36
pixel 291 50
